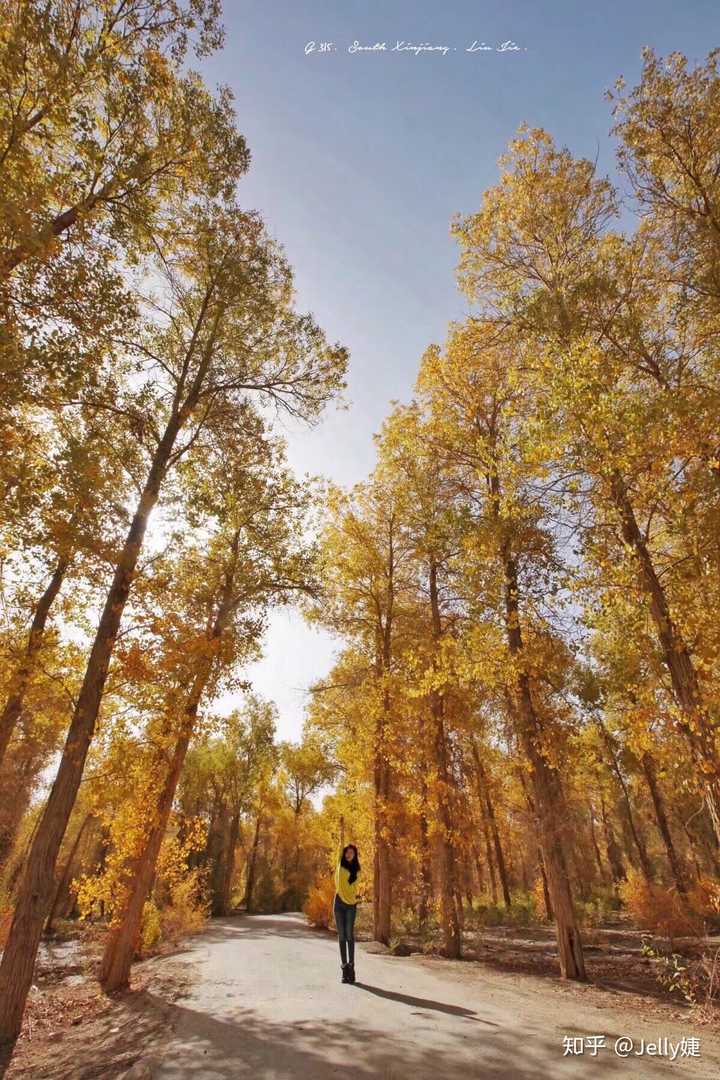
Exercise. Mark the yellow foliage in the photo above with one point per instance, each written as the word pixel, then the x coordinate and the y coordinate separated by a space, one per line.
pixel 318 906
pixel 185 914
pixel 704 899
pixel 150 933
pixel 658 909
pixel 187 911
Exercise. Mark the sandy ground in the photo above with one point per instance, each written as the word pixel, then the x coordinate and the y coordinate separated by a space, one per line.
pixel 265 1001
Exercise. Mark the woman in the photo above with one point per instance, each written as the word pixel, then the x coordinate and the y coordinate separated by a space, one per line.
pixel 345 908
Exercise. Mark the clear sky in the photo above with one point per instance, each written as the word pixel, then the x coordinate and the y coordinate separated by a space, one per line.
pixel 360 160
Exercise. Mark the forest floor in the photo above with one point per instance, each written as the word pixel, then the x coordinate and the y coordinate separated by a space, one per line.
pixel 259 996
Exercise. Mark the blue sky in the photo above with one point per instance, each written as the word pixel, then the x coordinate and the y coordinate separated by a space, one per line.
pixel 360 160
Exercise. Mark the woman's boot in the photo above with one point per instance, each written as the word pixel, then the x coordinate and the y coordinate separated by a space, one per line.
pixel 351 972
pixel 346 973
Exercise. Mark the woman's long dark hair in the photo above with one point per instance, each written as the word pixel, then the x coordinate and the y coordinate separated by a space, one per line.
pixel 353 865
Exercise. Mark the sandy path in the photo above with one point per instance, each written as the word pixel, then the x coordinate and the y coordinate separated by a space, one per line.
pixel 267 1003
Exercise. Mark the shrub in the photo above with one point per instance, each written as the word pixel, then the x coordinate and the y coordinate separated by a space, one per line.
pixel 265 898
pixel 658 909
pixel 485 913
pixel 407 918
pixel 696 979
pixel 522 911
pixel 599 908
pixel 704 899
pixel 182 912
pixel 318 906
pixel 187 911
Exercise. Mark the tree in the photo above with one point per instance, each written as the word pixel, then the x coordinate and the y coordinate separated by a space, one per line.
pixel 480 406
pixel 363 557
pixel 231 334
pixel 580 295
pixel 255 557
pixel 221 778
pixel 101 124
pixel 428 526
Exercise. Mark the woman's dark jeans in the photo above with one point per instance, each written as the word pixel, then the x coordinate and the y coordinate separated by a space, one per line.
pixel 345 922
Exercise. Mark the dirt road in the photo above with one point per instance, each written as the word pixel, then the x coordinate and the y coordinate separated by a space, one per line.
pixel 267 1003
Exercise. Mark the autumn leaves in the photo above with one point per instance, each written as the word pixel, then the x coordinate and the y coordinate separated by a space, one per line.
pixel 178 352
pixel 547 509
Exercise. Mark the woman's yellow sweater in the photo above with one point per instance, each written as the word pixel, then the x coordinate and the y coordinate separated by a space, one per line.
pixel 346 891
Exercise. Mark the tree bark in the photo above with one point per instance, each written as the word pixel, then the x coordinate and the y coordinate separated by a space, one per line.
pixel 425 858
pixel 490 858
pixel 546 785
pixel 614 855
pixel 122 940
pixel 694 724
pixel 252 863
pixel 550 915
pixel 65 876
pixel 382 887
pixel 596 848
pixel 233 834
pixel 479 869
pixel 650 772
pixel 484 795
pixel 21 770
pixel 217 845
pixel 449 915
pixel 645 863
pixel 382 777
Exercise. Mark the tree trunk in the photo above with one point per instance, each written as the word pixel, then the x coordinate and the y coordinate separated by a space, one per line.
pixel 596 848
pixel 217 845
pixel 233 834
pixel 382 889
pixel 122 940
pixel 252 863
pixel 540 860
pixel 484 795
pixel 21 677
pixel 648 767
pixel 546 784
pixel 695 851
pixel 550 914
pixel 449 916
pixel 694 724
pixel 490 859
pixel 479 869
pixel 382 776
pixel 645 863
pixel 425 858
pixel 614 855
pixel 20 773
pixel 65 876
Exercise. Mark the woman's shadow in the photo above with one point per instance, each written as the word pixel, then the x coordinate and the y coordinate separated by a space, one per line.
pixel 424 1003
